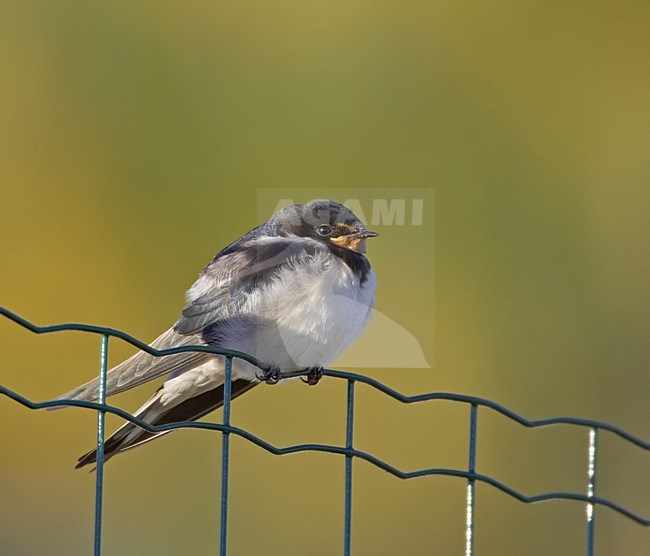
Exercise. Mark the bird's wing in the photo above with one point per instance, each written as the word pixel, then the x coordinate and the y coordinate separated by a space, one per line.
pixel 229 280
pixel 218 295
pixel 129 435
pixel 142 367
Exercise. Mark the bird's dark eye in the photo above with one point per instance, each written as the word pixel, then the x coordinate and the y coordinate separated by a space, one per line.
pixel 324 230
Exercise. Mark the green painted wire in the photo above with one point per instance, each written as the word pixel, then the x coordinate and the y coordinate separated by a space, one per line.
pixel 347 451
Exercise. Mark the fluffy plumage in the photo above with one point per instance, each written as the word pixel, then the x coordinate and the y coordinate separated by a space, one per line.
pixel 294 293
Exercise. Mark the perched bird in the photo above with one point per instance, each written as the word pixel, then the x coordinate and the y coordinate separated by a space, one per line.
pixel 294 293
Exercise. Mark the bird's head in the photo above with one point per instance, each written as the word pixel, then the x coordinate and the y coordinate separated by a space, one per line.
pixel 325 221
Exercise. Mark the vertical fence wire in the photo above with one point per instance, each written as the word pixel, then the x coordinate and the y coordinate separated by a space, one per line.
pixel 349 429
pixel 471 465
pixel 591 488
pixel 101 418
pixel 225 456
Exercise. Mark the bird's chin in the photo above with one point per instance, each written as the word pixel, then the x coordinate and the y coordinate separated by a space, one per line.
pixel 361 247
pixel 356 244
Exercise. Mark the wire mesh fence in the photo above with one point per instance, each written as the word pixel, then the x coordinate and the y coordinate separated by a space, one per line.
pixel 347 451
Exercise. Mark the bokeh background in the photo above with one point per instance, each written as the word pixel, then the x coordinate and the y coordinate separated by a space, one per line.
pixel 135 138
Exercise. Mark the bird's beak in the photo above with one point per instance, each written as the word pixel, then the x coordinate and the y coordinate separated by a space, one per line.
pixel 355 241
pixel 365 233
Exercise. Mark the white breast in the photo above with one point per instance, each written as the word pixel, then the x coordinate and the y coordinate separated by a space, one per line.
pixel 314 313
pixel 308 316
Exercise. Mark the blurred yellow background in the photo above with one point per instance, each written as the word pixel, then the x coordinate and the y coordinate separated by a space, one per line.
pixel 135 139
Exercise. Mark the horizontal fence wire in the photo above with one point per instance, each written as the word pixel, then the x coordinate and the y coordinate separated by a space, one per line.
pixel 590 499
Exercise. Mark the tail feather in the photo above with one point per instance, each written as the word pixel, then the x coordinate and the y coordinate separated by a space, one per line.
pixel 130 435
pixel 141 367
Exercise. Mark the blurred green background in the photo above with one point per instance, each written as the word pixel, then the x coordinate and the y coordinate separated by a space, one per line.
pixel 135 138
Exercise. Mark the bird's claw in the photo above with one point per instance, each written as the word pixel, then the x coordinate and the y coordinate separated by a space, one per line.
pixel 313 376
pixel 272 375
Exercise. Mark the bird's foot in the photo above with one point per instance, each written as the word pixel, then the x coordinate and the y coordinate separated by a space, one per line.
pixel 313 376
pixel 272 375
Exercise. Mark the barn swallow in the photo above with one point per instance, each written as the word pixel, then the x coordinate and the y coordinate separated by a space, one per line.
pixel 294 293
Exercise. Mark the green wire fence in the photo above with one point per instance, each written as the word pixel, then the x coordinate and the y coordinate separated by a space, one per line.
pixel 590 499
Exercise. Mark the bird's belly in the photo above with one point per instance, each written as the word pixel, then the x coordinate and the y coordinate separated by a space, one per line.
pixel 309 320
pixel 317 336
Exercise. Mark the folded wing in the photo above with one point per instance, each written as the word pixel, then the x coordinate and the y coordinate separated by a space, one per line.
pixel 219 294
